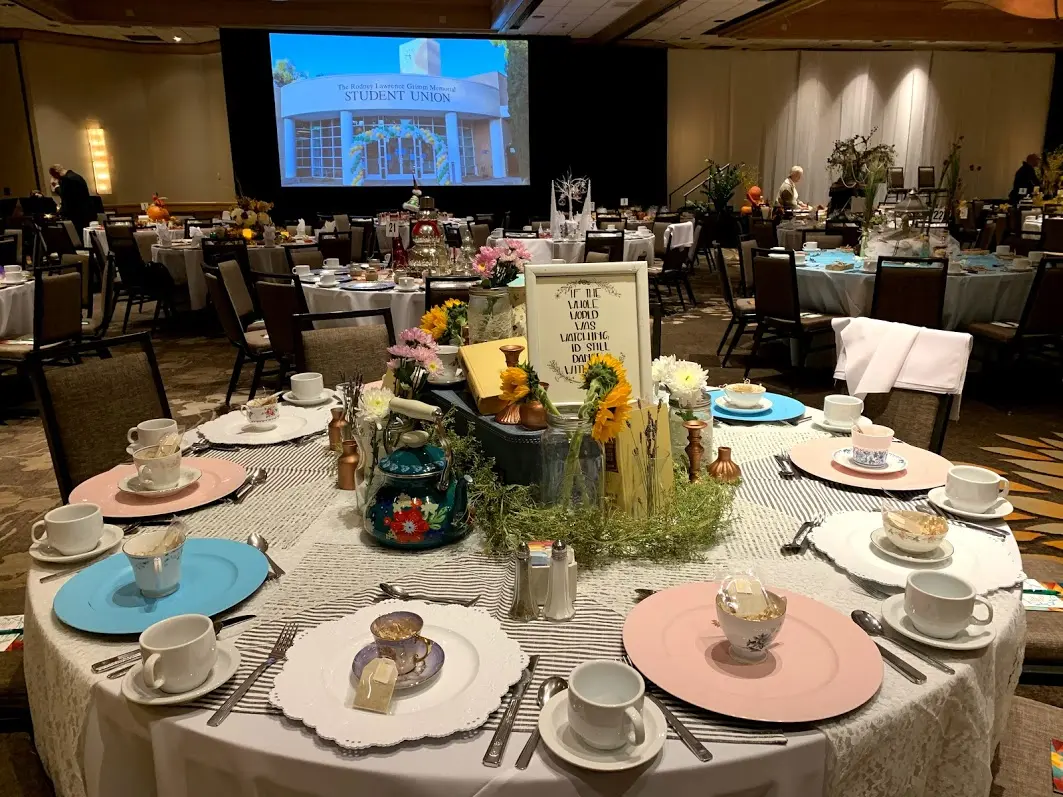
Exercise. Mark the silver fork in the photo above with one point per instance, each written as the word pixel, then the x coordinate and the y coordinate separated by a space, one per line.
pixel 280 650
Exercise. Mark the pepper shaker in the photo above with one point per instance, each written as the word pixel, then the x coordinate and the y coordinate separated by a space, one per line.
pixel 560 601
pixel 524 607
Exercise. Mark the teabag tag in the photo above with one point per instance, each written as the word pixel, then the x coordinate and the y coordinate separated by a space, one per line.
pixel 169 444
pixel 744 594
pixel 376 686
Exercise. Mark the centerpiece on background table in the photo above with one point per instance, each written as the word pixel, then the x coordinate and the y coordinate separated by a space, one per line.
pixel 491 314
pixel 157 210
pixel 250 217
pixel 567 192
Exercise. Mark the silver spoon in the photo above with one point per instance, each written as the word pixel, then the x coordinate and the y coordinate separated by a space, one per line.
pixel 398 592
pixel 870 623
pixel 550 687
pixel 256 540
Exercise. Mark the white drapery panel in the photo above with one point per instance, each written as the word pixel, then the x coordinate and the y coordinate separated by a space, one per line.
pixel 777 109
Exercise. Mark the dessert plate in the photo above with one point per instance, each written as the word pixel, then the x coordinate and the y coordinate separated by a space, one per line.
pixel 326 395
pixel 293 422
pixel 783 408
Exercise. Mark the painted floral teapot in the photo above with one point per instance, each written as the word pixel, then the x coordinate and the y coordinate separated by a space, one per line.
pixel 414 499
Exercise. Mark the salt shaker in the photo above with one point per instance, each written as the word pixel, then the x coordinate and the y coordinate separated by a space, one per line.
pixel 560 601
pixel 524 607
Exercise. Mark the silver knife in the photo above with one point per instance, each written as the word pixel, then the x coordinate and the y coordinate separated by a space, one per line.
pixel 697 748
pixel 134 655
pixel 495 750
pixel 901 666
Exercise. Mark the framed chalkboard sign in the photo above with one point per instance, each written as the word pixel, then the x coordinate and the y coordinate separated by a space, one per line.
pixel 577 310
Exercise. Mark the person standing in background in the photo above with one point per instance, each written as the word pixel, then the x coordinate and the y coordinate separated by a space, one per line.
pixel 787 197
pixel 74 191
pixel 1026 179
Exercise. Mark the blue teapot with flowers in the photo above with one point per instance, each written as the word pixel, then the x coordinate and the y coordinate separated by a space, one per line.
pixel 415 500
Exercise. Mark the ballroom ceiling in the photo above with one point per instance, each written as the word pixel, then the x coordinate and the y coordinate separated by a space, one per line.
pixel 753 24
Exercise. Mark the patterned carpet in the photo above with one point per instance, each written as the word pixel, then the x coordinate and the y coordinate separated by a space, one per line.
pixel 1023 440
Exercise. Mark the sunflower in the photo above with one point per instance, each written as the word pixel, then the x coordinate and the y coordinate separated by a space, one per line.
pixel 451 303
pixel 604 368
pixel 612 413
pixel 434 322
pixel 514 385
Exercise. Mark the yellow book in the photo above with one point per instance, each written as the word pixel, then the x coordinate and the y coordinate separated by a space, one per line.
pixel 631 480
pixel 483 364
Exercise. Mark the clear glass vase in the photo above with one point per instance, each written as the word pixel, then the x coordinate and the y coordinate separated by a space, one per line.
pixel 573 463
pixel 490 315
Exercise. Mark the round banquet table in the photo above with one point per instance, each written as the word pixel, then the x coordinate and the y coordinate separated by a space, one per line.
pixel 16 310
pixel 407 307
pixel 993 294
pixel 184 262
pixel 92 742
pixel 545 250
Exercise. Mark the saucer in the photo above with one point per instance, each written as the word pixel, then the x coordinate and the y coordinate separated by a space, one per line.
pixel 894 463
pixel 136 691
pixel 443 382
pixel 559 737
pixel 326 395
pixel 132 448
pixel 724 404
pixel 1001 509
pixel 131 484
pixel 22 281
pixel 43 552
pixel 839 427
pixel 423 671
pixel 973 637
pixel 942 553
pixel 412 289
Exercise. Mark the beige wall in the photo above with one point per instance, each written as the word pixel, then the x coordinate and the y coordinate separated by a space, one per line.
pixel 16 160
pixel 163 116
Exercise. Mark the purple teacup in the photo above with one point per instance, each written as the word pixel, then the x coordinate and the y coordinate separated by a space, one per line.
pixel 398 637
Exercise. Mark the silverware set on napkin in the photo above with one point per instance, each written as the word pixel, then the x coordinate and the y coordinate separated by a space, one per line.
pixel 786 467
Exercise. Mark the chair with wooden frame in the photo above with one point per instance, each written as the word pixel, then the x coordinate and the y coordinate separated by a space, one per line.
pixel 778 307
pixel 251 345
pixel 335 244
pixel 669 273
pixel 58 247
pixel 56 315
pixel 743 311
pixel 90 389
pixel 480 233
pixel 910 290
pixel 338 351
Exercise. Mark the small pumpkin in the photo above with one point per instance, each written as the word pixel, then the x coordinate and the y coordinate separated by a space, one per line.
pixel 157 210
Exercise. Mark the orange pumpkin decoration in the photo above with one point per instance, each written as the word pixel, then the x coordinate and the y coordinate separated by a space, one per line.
pixel 157 210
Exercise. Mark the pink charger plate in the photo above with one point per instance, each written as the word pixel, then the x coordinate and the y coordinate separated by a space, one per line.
pixel 820 665
pixel 926 470
pixel 220 478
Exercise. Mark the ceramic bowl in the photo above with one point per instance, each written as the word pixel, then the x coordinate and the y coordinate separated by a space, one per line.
pixel 750 639
pixel 934 530
pixel 744 394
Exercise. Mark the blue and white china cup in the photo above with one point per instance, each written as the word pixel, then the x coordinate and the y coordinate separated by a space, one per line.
pixel 871 445
pixel 605 704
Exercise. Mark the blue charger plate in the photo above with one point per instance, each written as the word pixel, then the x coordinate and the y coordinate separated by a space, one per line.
pixel 783 408
pixel 215 576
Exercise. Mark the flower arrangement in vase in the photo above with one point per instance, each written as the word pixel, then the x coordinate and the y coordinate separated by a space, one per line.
pixel 251 214
pixel 444 322
pixel 415 358
pixel 370 420
pixel 490 310
pixel 521 387
pixel 499 265
pixel 686 382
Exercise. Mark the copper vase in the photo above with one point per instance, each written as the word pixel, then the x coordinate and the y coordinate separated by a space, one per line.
pixel 725 469
pixel 533 415
pixel 337 428
pixel 347 467
pixel 695 450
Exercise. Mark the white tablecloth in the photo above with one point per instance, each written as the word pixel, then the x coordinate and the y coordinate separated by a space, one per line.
pixel 185 266
pixel 934 740
pixel 544 250
pixel 16 310
pixel 407 307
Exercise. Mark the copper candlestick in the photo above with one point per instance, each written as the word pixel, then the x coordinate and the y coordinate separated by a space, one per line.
pixel 510 415
pixel 511 351
pixel 694 448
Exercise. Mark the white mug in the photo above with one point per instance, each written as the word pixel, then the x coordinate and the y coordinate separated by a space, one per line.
pixel 331 261
pixel 148 433
pixel 14 274
pixel 327 279
pixel 974 489
pixel 155 556
pixel 605 704
pixel 1003 250
pixel 70 529
pixel 155 472
pixel 178 653
pixel 301 271
pixel 839 410
pixel 261 418
pixel 308 386
pixel 407 282
pixel 810 246
pixel 941 604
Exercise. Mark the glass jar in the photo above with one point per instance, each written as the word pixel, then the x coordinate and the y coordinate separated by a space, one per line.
pixel 490 315
pixel 573 463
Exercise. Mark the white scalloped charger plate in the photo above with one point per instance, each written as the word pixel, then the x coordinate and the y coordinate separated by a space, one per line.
pixel 315 684
pixel 293 422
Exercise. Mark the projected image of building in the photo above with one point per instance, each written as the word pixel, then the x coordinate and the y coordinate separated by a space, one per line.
pixel 386 129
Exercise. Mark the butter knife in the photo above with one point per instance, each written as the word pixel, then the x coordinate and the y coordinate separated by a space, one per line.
pixel 901 666
pixel 495 750
pixel 697 748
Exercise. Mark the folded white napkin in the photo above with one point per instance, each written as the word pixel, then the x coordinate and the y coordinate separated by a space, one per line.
pixel 300 228
pixel 269 236
pixel 681 234
pixel 329 226
pixel 875 356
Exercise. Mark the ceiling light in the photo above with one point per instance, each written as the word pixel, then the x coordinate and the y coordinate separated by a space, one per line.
pixel 177 38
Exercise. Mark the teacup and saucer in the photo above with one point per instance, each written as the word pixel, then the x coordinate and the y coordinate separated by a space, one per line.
pixel 308 390
pixel 939 609
pixel 397 636
pixel 973 493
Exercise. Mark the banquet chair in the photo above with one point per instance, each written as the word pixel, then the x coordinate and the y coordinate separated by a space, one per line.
pixel 603 222
pixel 763 230
pixel 1052 234
pixel 57 247
pixel 217 250
pixel 253 345
pixel 343 351
pixel 778 308
pixel 335 244
pixel 925 178
pixel 90 389
pixel 660 245
pixel 849 234
pixel 56 314
pixel 485 218
pixel 609 243
pixel 452 235
pixel 96 329
pixel 141 282
pixel 244 301
pixel 746 245
pixel 9 250
pixel 119 231
pixel 918 418
pixel 281 298
pixel 480 234
pixel 670 272
pixel 361 238
pixel 438 289
pixel 1022 764
pixel 895 183
pixel 304 256
pixel 666 218
pixel 342 222
pixel 987 235
pixel 743 311
pixel 910 290
pixel 14 233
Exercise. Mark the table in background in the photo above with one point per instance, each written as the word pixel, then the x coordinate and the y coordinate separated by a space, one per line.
pixel 546 250
pixel 184 261
pixel 407 307
pixel 145 238
pixel 16 310
pixel 994 295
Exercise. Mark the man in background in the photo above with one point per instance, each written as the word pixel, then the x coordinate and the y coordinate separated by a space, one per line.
pixel 1026 179
pixel 74 191
pixel 787 197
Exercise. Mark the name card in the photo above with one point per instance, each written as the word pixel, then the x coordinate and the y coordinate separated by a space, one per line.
pixel 577 310
pixel 392 228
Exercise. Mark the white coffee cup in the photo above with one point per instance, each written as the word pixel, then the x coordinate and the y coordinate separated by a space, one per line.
pixel 308 386
pixel 327 279
pixel 148 433
pixel 448 355
pixel 301 271
pixel 14 274
pixel 605 704
pixel 810 246
pixel 94 225
pixel 331 261
pixel 178 653
pixel 155 472
pixel 1036 257
pixel 1022 264
pixel 839 410
pixel 941 604
pixel 974 489
pixel 407 283
pixel 1003 250
pixel 70 529
pixel 155 556
pixel 261 418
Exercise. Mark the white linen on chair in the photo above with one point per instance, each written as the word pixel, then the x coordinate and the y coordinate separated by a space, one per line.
pixel 679 235
pixel 875 356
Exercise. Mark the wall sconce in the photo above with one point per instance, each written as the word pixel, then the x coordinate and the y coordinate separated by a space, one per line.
pixel 101 161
